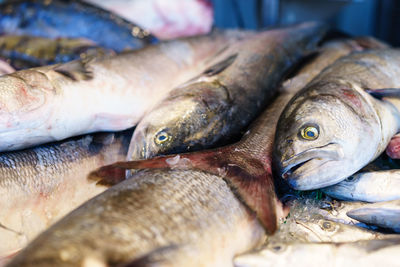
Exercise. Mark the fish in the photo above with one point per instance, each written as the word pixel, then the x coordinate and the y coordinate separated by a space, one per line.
pixel 245 159
pixel 72 19
pixel 23 51
pixel 374 186
pixel 213 108
pixel 40 185
pixel 360 253
pixel 159 217
pixel 315 146
pixel 383 214
pixel 110 93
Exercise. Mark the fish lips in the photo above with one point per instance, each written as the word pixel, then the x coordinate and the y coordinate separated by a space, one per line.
pixel 305 170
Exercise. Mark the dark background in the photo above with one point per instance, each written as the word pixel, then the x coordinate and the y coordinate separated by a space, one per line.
pixel 379 18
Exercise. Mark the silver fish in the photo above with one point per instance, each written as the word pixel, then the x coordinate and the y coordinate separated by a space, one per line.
pixel 373 186
pixel 158 217
pixel 214 107
pixel 103 94
pixel 334 127
pixel 361 253
pixel 38 186
pixel 383 214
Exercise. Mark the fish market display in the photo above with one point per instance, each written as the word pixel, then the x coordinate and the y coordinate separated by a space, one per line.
pixel 40 185
pixel 361 253
pixel 382 214
pixel 212 108
pixel 368 186
pixel 334 127
pixel 24 51
pixel 103 94
pixel 74 19
pixel 159 217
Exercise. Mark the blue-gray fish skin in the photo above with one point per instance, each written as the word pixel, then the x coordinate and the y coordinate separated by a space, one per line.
pixel 383 214
pixel 77 19
pixel 334 127
pixel 161 217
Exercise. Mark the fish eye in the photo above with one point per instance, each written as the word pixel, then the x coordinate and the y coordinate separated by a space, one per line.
pixel 309 132
pixel 350 178
pixel 162 137
pixel 327 226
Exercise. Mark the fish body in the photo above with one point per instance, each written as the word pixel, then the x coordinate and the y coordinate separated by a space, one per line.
pixel 23 51
pixel 113 93
pixel 157 201
pixel 73 19
pixel 383 214
pixel 373 186
pixel 211 109
pixel 40 185
pixel 167 217
pixel 333 127
pixel 360 253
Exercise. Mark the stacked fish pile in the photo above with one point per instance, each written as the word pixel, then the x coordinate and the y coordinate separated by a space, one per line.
pixel 193 183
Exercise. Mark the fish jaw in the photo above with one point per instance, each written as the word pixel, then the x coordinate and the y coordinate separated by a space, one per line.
pixel 303 170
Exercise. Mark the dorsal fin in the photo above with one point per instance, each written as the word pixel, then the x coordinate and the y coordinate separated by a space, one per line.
pixel 249 178
pixel 76 70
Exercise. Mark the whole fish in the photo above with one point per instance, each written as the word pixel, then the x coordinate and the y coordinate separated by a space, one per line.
pixel 212 109
pixel 382 214
pixel 373 186
pixel 361 253
pixel 159 217
pixel 318 141
pixel 244 166
pixel 75 19
pixel 38 186
pixel 24 51
pixel 102 94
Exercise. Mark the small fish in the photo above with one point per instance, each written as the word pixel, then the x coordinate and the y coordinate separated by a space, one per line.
pixel 382 214
pixel 38 186
pixel 72 19
pixel 373 186
pixel 361 253
pixel 211 109
pixel 111 93
pixel 24 51
pixel 318 141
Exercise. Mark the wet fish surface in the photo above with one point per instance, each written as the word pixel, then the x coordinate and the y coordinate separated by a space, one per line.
pixel 211 109
pixel 383 214
pixel 54 102
pixel 372 186
pixel 168 217
pixel 24 51
pixel 75 19
pixel 315 147
pixel 361 253
pixel 151 187
pixel 40 185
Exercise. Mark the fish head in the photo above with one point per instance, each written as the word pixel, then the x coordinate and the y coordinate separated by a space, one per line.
pixel 321 139
pixel 186 121
pixel 348 189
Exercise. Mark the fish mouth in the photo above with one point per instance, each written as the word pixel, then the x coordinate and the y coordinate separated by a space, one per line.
pixel 138 148
pixel 309 160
